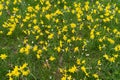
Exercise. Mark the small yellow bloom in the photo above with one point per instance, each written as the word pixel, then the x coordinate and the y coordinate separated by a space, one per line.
pixel 39 51
pixel 10 78
pixel 3 56
pixel 45 48
pixel 69 77
pixel 116 55
pixel 36 27
pixel 16 72
pixel 63 78
pixel 22 50
pixel 95 75
pixel 65 29
pixel 117 48
pixel 38 56
pixel 61 43
pixel 65 37
pixel 48 16
pixel 25 73
pixel 100 47
pixel 35 48
pixel 99 62
pixel 50 36
pixel 78 61
pixel 37 7
pixel 92 34
pixel 73 31
pixel 73 25
pixel 30 8
pixel 111 40
pixel 52 58
pixel 106 56
pixel 112 59
pixel 23 66
pixel 9 74
pixel 89 17
pixel 115 30
pixel 73 69
pixel 83 62
pixel 58 49
pixel 66 49
pixel 76 49
pixel 1 6
pixel 9 33
pixel 69 40
pixel 100 40
pixel 98 33
pixel 84 70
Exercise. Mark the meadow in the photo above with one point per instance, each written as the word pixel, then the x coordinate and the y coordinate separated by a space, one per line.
pixel 59 39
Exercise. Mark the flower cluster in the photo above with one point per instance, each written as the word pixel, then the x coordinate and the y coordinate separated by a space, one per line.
pixel 18 71
pixel 64 38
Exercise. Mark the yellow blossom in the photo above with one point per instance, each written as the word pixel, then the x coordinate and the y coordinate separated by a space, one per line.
pixel 61 43
pixel 16 72
pixel 83 62
pixel 84 70
pixel 63 78
pixel 64 37
pixel 52 58
pixel 99 62
pixel 30 8
pixel 92 34
pixel 95 75
pixel 50 36
pixel 1 6
pixel 116 55
pixel 35 21
pixel 37 7
pixel 78 61
pixel 45 48
pixel 65 29
pixel 35 48
pixel 112 59
pixel 69 40
pixel 69 77
pixel 115 30
pixel 48 16
pixel 38 56
pixel 89 17
pixel 23 66
pixel 100 47
pixel 73 25
pixel 106 56
pixel 111 40
pixel 10 78
pixel 117 48
pixel 3 56
pixel 58 49
pixel 73 31
pixel 66 49
pixel 73 69
pixel 22 50
pixel 25 73
pixel 76 49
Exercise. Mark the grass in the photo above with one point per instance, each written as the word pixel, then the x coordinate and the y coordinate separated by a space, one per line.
pixel 59 40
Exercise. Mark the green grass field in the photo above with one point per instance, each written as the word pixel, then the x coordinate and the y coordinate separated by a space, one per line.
pixel 59 39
